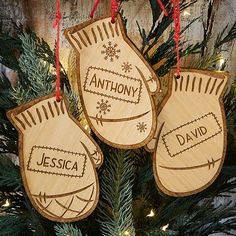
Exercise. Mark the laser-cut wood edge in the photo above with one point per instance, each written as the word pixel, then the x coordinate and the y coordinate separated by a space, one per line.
pixel 120 146
pixel 21 156
pixel 126 39
pixel 222 75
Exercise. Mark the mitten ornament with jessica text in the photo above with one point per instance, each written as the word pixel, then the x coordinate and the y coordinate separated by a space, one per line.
pixel 115 83
pixel 191 134
pixel 57 159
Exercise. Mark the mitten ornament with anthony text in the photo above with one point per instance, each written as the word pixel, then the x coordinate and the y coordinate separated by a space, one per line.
pixel 191 133
pixel 58 160
pixel 115 83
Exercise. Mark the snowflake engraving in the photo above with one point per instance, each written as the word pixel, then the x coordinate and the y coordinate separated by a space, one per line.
pixel 142 127
pixel 126 67
pixel 103 107
pixel 110 51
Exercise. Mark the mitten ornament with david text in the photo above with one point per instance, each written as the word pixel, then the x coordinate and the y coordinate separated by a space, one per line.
pixel 191 133
pixel 57 159
pixel 115 83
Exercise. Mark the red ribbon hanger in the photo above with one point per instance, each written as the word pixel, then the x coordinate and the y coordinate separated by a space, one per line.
pixel 114 9
pixel 58 69
pixel 176 16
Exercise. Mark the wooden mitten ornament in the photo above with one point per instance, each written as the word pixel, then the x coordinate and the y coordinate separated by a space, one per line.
pixel 191 133
pixel 58 160
pixel 115 83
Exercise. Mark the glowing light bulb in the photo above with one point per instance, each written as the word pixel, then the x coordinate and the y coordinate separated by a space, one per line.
pixel 126 233
pixel 86 127
pixel 6 204
pixel 222 61
pixel 186 13
pixel 164 228
pixel 151 214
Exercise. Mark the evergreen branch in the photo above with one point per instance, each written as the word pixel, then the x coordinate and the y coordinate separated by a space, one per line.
pixel 8 138
pixel 23 210
pixel 171 60
pixel 166 49
pixel 13 225
pixel 36 70
pixel 67 230
pixel 207 26
pixel 159 27
pixel 9 174
pixel 230 109
pixel 214 220
pixel 115 210
pixel 229 37
pixel 74 104
pixel 34 219
pixel 167 208
pixel 44 52
pixel 9 48
pixel 12 203
pixel 207 61
pixel 210 61
pixel 194 218
pixel 5 98
pixel 8 135
pixel 160 232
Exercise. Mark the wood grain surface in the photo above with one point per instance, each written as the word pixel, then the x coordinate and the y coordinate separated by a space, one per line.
pixel 190 142
pixel 58 160
pixel 115 83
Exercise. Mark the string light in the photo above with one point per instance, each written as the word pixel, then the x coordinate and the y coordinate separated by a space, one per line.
pixel 6 204
pixel 86 127
pixel 186 13
pixel 164 228
pixel 151 214
pixel 126 233
pixel 222 61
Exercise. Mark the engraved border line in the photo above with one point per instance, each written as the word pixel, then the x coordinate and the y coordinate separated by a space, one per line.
pixel 58 150
pixel 115 73
pixel 167 148
pixel 208 164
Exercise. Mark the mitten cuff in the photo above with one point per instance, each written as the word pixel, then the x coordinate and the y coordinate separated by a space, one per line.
pixel 85 35
pixel 36 112
pixel 200 81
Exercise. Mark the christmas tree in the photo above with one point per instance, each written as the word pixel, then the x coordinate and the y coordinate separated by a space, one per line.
pixel 130 202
